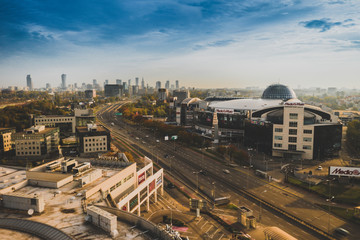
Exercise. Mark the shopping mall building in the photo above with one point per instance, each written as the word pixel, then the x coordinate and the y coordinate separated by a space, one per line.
pixel 277 123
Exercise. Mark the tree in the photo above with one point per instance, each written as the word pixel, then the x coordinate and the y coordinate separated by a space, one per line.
pixel 353 137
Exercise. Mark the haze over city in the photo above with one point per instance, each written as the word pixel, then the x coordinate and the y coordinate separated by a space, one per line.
pixel 202 43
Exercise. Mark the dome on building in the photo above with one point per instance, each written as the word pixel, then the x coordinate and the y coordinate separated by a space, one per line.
pixel 278 91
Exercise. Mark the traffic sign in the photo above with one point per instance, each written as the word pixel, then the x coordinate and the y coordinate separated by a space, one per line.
pixel 118 114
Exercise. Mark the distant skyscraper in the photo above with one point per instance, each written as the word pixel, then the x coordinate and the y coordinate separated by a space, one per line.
pixel 125 87
pixel 172 86
pixel 63 81
pixel 136 81
pixel 106 82
pixel 94 82
pixel 167 84
pixel 29 82
pixel 129 82
pixel 118 81
pixel 142 83
pixel 177 84
pixel 48 86
pixel 158 85
pixel 75 85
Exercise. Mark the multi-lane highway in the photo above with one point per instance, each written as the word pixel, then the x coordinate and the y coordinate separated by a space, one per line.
pixel 298 216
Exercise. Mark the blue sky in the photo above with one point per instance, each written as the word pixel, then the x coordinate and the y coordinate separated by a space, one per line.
pixel 200 43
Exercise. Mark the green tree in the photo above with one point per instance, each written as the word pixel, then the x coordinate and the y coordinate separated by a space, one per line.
pixel 353 137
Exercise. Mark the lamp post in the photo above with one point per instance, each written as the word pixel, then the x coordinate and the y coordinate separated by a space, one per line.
pixel 213 194
pixel 329 203
pixel 197 180
pixel 260 213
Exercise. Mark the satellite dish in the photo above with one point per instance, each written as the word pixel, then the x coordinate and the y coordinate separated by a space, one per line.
pixel 30 212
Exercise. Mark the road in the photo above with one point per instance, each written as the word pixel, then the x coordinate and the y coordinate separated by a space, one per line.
pixel 183 162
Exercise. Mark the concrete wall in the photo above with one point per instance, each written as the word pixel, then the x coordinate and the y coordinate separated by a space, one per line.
pixel 24 202
pixel 89 178
pixel 140 223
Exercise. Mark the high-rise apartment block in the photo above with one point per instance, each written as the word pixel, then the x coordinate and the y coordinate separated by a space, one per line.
pixel 167 84
pixel 63 81
pixel 142 83
pixel 157 85
pixel 177 84
pixel 29 82
pixel 136 81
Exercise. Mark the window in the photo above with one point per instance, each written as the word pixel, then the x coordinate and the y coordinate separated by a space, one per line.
pixel 292 124
pixel 292 131
pixel 278 137
pixel 292 147
pixel 306 131
pixel 307 147
pixel 307 139
pixel 33 201
pixel 292 139
pixel 293 116
pixel 278 129
pixel 278 145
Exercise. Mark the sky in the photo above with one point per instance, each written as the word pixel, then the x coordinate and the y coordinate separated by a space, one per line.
pixel 203 44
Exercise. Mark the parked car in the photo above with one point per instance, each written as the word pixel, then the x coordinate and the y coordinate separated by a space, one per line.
pixel 319 168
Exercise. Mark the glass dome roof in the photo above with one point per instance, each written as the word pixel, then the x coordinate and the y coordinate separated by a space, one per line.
pixel 278 91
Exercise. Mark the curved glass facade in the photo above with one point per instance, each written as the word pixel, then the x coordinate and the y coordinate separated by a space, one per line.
pixel 278 91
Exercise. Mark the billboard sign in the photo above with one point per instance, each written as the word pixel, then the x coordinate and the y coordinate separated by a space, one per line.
pixel 344 171
pixel 158 181
pixel 141 178
pixel 226 111
pixel 152 186
pixel 133 202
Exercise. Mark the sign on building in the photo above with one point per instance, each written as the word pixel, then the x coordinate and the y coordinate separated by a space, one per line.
pixel 134 202
pixel 141 178
pixel 344 171
pixel 158 181
pixel 226 111
pixel 152 186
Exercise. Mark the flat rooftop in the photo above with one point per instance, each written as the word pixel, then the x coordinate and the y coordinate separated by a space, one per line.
pixel 85 129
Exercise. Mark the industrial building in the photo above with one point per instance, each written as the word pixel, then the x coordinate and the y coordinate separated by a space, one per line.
pixel 114 90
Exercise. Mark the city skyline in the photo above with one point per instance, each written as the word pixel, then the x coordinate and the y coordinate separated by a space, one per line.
pixel 201 43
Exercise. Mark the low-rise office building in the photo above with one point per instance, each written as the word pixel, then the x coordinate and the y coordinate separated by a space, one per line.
pixel 6 143
pixel 36 141
pixel 93 139
pixel 67 124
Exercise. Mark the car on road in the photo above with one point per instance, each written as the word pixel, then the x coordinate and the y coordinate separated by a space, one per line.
pixel 137 138
pixel 112 124
pixel 157 140
pixel 319 168
pixel 226 171
pixel 342 232
pixel 203 172
pixel 147 136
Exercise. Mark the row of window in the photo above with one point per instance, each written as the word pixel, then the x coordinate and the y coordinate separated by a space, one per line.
pixel 95 140
pixel 53 120
pixel 293 116
pixel 293 139
pixel 292 146
pixel 294 131
pixel 93 144
pixel 119 183
pixel 25 148
pixel 28 143
pixel 28 153
pixel 95 149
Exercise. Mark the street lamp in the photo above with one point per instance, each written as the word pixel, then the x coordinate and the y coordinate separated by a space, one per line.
pixel 329 202
pixel 260 205
pixel 197 180
pixel 213 194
